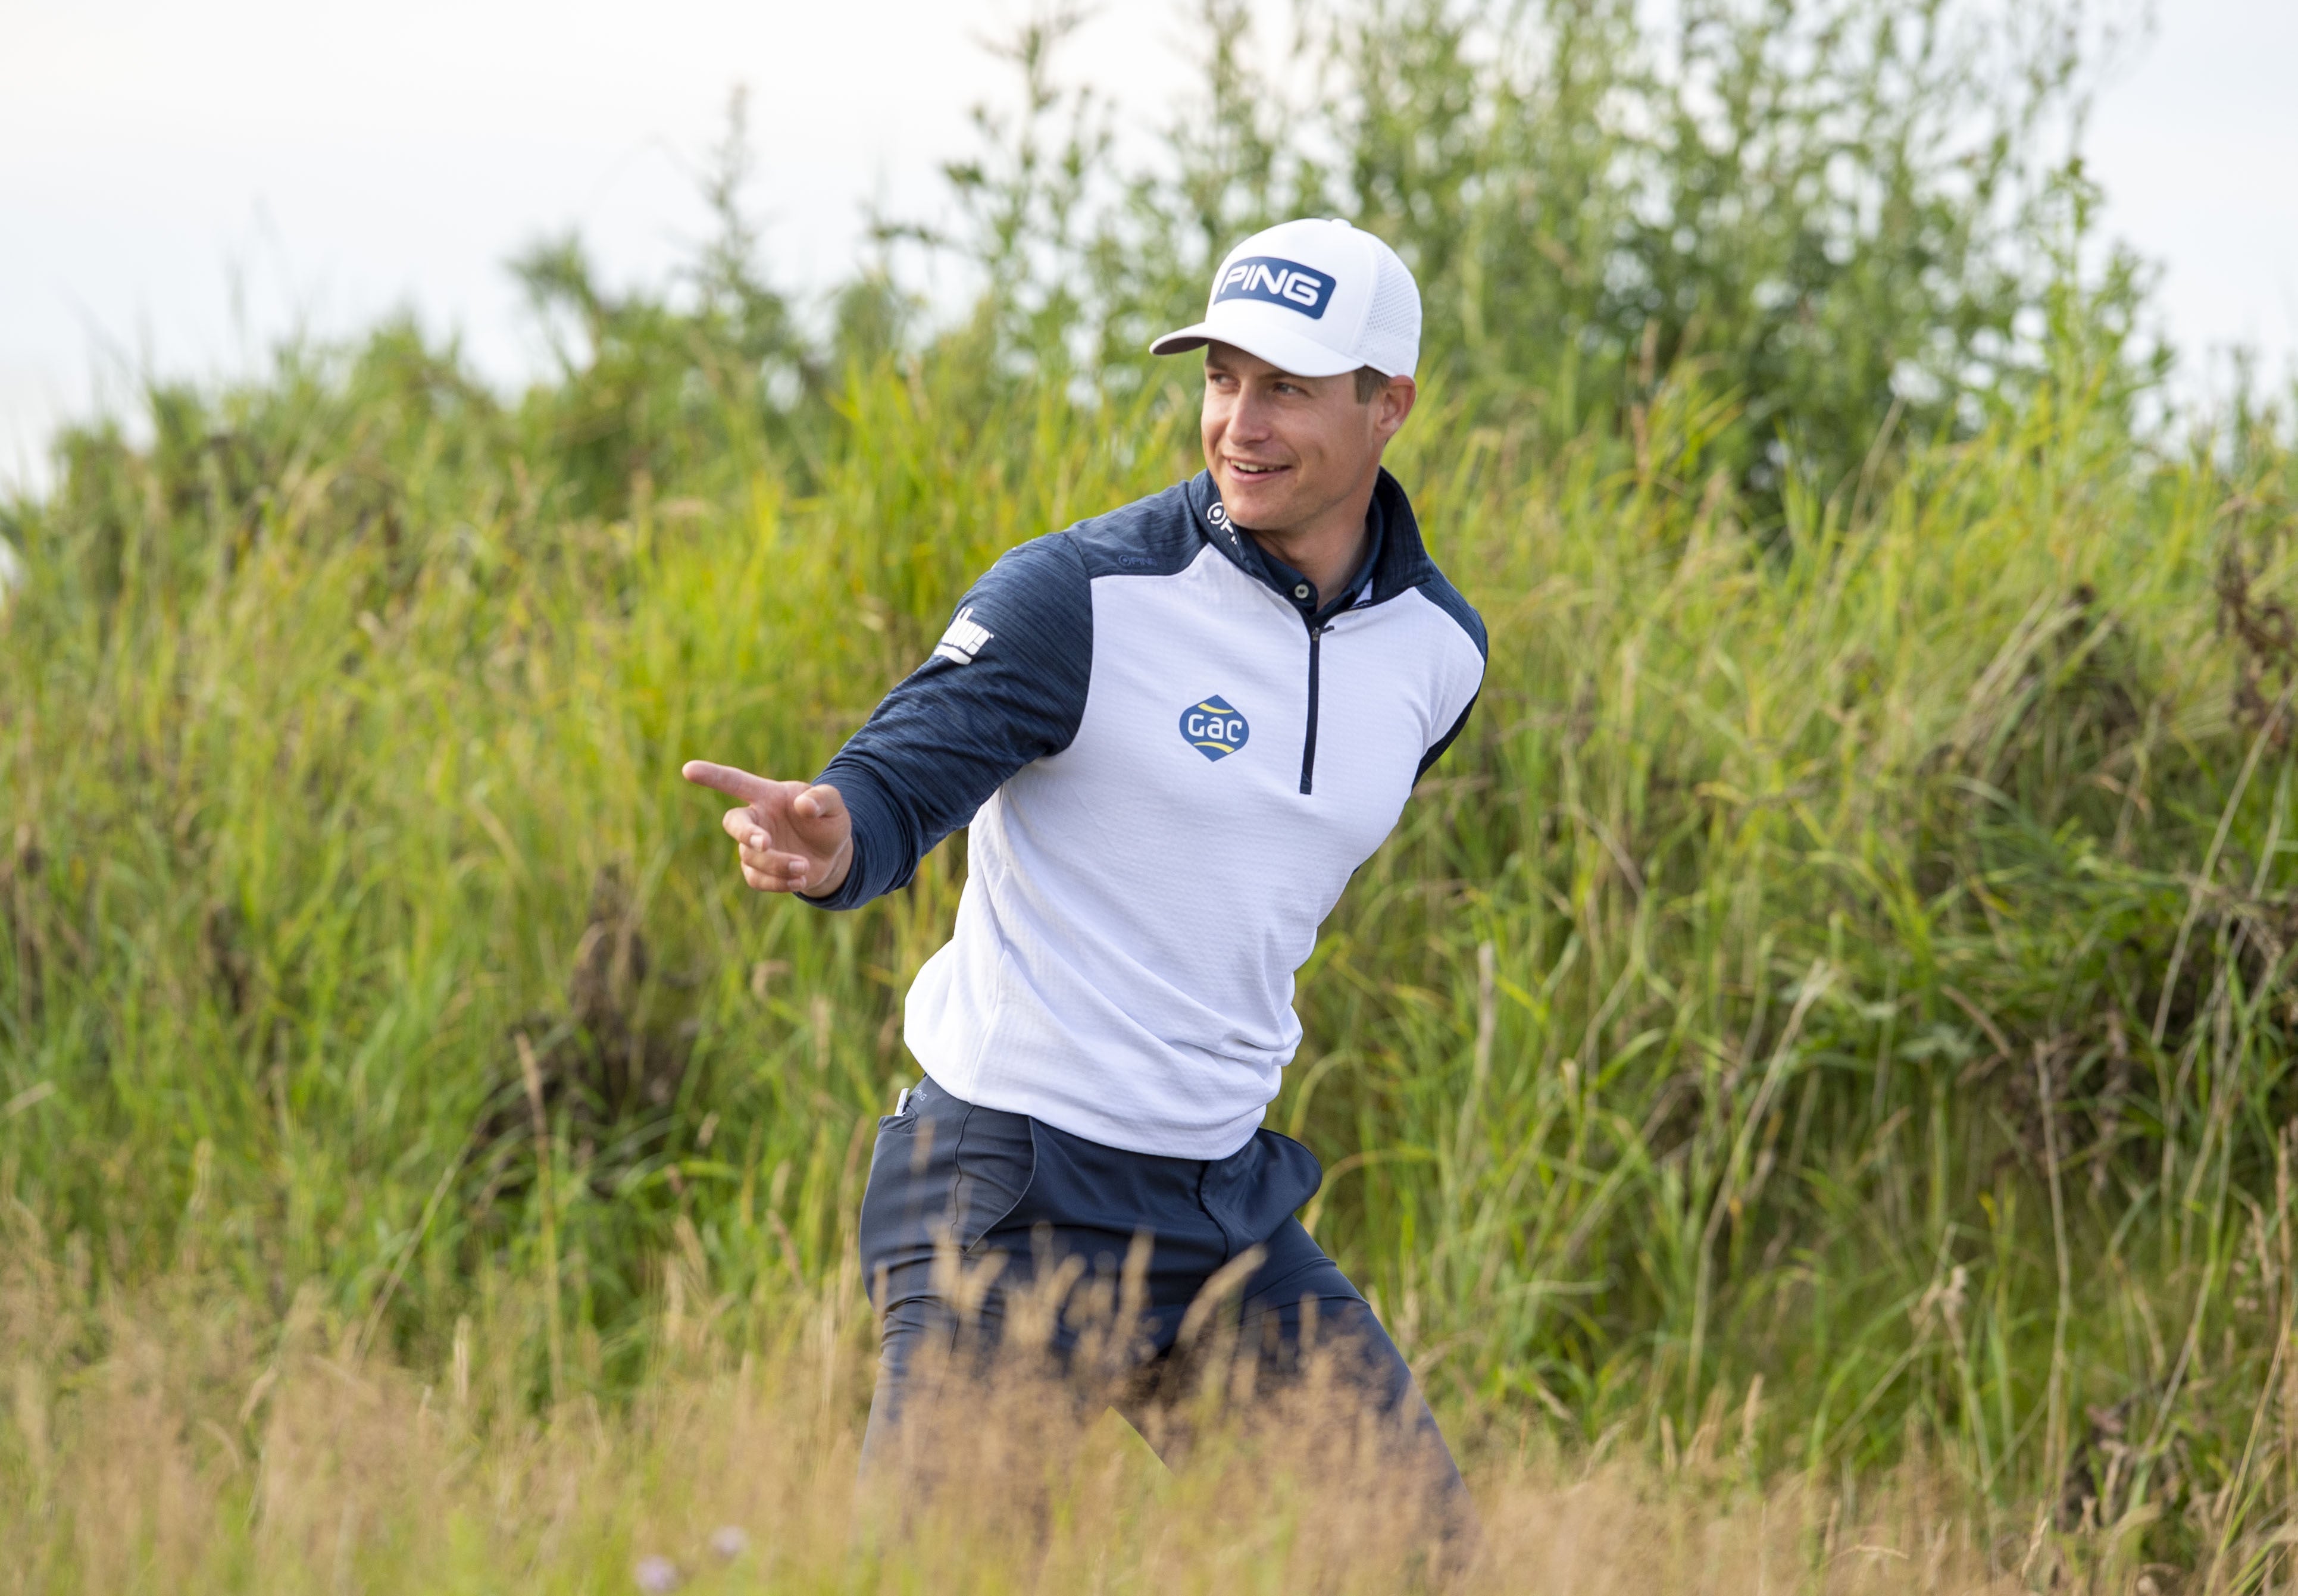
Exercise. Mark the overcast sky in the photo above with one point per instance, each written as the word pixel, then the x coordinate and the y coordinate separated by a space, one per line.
pixel 181 182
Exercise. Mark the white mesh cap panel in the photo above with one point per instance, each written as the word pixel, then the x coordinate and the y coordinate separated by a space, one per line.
pixel 1392 331
pixel 1313 296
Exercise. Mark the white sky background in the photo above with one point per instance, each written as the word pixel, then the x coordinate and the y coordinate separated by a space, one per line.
pixel 180 183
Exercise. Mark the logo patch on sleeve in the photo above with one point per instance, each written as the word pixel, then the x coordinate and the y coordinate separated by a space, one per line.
pixel 965 638
pixel 1213 728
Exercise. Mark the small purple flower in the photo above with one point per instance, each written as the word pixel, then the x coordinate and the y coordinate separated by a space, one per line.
pixel 730 1541
pixel 656 1575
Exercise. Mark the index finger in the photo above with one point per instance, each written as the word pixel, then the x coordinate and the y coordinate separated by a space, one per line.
pixel 737 784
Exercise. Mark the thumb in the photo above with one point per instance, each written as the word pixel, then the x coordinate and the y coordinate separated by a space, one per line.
pixel 740 785
pixel 823 802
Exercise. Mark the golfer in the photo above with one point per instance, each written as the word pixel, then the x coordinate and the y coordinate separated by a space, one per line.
pixel 1173 731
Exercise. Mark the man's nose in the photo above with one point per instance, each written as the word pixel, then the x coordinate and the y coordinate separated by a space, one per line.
pixel 1249 419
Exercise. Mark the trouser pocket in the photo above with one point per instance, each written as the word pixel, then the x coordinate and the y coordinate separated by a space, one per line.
pixel 913 1165
pixel 996 1163
pixel 941 1168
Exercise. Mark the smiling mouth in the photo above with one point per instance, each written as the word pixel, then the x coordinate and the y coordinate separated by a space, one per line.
pixel 1254 468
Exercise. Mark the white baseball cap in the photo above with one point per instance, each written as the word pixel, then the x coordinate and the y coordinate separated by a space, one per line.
pixel 1314 298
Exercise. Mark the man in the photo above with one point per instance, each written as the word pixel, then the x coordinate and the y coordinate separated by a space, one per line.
pixel 1174 732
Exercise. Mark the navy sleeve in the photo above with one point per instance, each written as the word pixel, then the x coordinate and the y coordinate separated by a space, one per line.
pixel 1447 598
pixel 1006 686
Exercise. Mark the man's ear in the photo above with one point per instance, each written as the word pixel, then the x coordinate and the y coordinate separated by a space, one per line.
pixel 1393 404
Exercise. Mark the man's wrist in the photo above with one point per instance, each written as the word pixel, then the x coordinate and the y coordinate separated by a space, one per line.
pixel 826 893
pixel 841 865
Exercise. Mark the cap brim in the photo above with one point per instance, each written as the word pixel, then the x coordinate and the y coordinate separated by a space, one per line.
pixel 1281 347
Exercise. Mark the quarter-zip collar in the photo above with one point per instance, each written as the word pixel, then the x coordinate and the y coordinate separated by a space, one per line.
pixel 1395 557
pixel 1395 561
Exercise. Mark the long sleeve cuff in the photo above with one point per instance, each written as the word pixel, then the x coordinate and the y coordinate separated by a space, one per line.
pixel 881 863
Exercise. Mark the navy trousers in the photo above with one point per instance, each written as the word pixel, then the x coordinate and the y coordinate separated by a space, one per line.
pixel 1030 1204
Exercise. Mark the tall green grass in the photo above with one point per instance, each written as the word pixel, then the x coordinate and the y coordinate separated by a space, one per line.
pixel 1840 982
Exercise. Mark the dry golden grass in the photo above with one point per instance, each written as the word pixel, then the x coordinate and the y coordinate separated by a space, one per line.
pixel 179 1444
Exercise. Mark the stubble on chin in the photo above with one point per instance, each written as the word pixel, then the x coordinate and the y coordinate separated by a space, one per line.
pixel 1255 512
pixel 1252 500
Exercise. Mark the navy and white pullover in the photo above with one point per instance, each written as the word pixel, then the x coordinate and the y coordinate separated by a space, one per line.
pixel 1170 759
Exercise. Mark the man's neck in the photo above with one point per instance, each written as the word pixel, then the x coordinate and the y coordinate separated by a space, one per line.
pixel 1329 551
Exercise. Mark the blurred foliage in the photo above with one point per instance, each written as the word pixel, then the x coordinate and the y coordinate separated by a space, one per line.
pixel 1860 219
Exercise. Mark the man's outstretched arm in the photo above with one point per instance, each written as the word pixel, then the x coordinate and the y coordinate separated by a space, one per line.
pixel 1006 686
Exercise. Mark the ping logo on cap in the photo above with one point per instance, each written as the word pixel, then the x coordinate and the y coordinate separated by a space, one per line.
pixel 1285 283
pixel 1213 728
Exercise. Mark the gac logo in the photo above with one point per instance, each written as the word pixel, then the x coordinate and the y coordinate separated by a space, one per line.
pixel 1213 728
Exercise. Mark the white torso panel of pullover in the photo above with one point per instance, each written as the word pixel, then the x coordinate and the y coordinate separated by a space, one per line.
pixel 1139 902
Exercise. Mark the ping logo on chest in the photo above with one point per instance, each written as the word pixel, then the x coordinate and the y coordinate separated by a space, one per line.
pixel 1213 728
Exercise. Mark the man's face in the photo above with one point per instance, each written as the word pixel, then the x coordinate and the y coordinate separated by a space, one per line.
pixel 1288 451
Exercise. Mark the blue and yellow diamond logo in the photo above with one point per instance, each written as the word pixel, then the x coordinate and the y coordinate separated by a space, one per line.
pixel 1213 728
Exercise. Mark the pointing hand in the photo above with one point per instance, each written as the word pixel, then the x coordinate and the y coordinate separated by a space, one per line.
pixel 792 837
